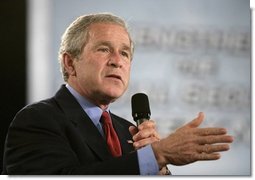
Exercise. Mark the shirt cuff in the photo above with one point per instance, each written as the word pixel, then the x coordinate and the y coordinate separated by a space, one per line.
pixel 147 162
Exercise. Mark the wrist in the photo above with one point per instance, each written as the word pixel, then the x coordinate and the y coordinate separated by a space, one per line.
pixel 157 150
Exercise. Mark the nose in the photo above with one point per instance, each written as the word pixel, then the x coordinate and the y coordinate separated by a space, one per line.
pixel 115 60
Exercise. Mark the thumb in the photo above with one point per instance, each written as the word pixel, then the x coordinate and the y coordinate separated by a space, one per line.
pixel 195 122
pixel 133 130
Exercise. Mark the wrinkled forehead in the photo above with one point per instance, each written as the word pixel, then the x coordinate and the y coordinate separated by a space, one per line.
pixel 108 29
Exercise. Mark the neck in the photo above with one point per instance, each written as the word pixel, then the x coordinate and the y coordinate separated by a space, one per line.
pixel 103 104
pixel 97 99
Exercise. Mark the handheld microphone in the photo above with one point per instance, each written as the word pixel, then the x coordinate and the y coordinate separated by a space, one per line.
pixel 140 108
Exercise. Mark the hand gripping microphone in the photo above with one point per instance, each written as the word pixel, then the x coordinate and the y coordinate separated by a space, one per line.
pixel 140 108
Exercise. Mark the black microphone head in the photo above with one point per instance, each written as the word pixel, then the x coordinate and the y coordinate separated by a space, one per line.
pixel 140 106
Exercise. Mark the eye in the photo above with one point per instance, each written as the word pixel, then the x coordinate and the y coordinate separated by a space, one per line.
pixel 104 49
pixel 125 54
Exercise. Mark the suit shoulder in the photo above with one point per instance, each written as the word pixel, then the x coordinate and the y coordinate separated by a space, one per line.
pixel 126 122
pixel 47 104
pixel 41 112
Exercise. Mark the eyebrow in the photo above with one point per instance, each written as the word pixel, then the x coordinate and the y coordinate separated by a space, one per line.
pixel 109 44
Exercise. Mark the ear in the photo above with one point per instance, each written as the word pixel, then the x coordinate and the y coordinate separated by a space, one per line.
pixel 68 62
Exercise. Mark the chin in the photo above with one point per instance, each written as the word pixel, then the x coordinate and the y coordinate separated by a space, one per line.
pixel 114 95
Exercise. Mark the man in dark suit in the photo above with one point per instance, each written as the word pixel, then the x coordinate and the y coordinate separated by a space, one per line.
pixel 67 134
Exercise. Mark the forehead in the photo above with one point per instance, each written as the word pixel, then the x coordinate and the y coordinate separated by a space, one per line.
pixel 109 32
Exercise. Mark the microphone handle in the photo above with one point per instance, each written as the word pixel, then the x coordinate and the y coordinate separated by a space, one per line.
pixel 140 121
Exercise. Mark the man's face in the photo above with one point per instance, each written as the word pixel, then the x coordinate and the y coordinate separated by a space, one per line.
pixel 104 67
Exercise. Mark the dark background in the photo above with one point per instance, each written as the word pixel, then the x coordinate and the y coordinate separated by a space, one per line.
pixel 13 63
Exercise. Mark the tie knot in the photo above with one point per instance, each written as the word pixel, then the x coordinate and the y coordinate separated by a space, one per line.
pixel 106 117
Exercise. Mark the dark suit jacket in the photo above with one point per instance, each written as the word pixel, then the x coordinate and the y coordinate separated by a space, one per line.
pixel 56 136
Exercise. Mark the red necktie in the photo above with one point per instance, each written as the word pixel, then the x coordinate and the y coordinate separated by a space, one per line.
pixel 110 134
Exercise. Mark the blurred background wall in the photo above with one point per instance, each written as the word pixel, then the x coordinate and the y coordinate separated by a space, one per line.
pixel 190 56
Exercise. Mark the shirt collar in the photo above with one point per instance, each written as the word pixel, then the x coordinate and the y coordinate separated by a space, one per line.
pixel 94 112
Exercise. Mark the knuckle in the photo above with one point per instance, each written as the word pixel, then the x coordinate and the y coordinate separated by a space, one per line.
pixel 207 148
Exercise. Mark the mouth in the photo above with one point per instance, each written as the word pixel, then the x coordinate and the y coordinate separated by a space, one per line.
pixel 114 76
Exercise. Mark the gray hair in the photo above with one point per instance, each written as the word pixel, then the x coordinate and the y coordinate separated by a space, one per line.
pixel 76 36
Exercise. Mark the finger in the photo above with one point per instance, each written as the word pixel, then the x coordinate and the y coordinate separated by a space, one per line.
pixel 147 124
pixel 205 156
pixel 212 148
pixel 214 139
pixel 209 131
pixel 133 130
pixel 146 133
pixel 164 171
pixel 144 142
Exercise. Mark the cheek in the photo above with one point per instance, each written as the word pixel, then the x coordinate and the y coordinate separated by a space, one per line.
pixel 85 71
pixel 127 72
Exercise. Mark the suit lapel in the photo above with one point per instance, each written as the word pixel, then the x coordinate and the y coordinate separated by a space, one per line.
pixel 83 123
pixel 91 136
